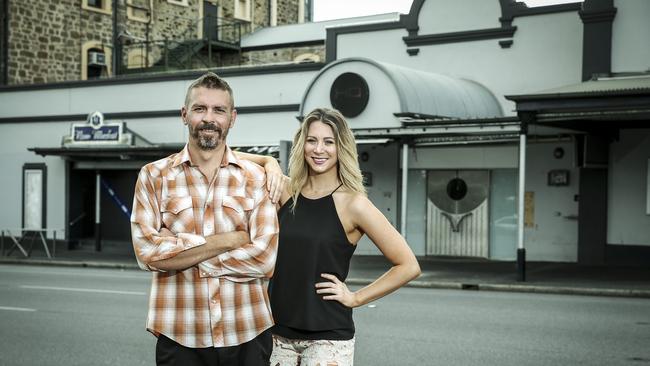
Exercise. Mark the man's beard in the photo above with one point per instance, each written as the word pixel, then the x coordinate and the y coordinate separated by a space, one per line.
pixel 207 142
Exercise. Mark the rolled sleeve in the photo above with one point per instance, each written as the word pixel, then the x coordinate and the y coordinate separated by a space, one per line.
pixel 149 244
pixel 255 259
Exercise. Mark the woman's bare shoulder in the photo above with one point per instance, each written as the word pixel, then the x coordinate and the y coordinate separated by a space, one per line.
pixel 355 202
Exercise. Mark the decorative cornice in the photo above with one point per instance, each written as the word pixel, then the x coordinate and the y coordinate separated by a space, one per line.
pixel 598 16
pixel 464 36
pixel 317 42
pixel 145 114
pixel 162 77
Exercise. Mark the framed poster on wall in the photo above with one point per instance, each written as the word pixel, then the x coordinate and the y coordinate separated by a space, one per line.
pixel 34 196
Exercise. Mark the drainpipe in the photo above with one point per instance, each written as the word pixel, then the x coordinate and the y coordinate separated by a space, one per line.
pixel 116 47
pixel 5 43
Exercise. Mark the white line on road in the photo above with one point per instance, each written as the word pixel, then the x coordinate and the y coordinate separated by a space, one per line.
pixel 84 290
pixel 15 309
pixel 114 273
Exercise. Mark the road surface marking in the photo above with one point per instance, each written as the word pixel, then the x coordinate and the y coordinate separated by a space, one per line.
pixel 9 308
pixel 113 273
pixel 84 290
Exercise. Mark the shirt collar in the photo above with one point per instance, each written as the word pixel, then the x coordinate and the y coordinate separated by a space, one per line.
pixel 184 157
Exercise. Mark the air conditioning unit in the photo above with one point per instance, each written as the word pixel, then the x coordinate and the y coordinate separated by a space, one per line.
pixel 96 59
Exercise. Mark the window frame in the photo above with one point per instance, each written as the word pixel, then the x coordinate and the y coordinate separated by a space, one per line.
pixel 105 9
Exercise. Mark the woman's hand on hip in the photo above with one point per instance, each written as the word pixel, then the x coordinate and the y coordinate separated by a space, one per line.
pixel 334 289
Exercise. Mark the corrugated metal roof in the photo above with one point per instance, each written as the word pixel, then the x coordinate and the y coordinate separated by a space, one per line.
pixel 618 85
pixel 305 32
pixel 440 95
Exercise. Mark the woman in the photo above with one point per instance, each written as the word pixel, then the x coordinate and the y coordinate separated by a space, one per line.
pixel 324 213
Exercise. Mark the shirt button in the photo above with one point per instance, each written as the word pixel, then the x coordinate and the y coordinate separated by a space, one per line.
pixel 214 301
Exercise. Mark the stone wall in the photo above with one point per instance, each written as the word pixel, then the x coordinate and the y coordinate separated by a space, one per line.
pixel 288 11
pixel 46 37
pixel 282 55
pixel 45 40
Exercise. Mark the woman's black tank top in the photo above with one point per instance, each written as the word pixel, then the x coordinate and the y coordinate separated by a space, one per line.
pixel 312 241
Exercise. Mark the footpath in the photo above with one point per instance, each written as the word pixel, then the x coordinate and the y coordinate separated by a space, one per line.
pixel 437 272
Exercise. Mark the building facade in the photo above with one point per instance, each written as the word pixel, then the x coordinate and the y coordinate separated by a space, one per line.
pixel 474 119
pixel 49 41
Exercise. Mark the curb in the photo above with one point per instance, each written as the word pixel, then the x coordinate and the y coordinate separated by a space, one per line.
pixel 68 263
pixel 445 285
pixel 540 289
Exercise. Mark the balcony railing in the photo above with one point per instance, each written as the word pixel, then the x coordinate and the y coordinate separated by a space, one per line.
pixel 218 46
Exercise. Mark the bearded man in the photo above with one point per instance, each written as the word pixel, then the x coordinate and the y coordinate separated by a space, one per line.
pixel 204 225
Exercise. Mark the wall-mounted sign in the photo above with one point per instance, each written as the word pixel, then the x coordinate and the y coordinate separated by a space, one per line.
pixel 558 177
pixel 96 131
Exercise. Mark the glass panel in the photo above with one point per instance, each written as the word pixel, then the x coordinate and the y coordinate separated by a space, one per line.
pixel 503 216
pixel 416 215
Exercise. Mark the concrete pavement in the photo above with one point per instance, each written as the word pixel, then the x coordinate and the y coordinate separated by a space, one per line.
pixel 437 272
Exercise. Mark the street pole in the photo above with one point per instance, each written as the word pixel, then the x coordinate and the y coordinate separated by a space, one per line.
pixel 98 221
pixel 521 251
pixel 405 181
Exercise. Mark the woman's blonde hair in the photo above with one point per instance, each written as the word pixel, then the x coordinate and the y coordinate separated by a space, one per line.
pixel 346 150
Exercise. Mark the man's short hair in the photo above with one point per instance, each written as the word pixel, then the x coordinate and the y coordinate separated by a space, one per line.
pixel 209 80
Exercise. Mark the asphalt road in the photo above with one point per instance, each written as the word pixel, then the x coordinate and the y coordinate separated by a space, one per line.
pixel 81 316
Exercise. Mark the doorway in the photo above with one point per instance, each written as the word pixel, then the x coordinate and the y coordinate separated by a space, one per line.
pixel 457 213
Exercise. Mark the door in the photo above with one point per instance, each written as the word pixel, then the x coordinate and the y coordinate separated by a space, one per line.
pixel 457 213
pixel 210 21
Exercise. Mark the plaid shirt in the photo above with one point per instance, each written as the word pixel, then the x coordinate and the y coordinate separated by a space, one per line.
pixel 223 301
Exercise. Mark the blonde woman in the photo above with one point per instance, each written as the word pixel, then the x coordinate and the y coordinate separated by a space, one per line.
pixel 323 214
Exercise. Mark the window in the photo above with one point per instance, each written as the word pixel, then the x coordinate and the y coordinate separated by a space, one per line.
pixel 95 61
pixel 100 6
pixel 305 11
pixel 243 9
pixel 137 59
pixel 138 10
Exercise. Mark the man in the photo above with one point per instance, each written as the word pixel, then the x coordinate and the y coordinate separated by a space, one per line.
pixel 203 223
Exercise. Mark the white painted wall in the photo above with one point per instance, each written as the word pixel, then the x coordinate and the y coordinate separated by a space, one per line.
pixel 541 57
pixel 250 129
pixel 253 90
pixel 627 221
pixel 554 237
pixel 630 35
pixel 14 140
pixel 443 16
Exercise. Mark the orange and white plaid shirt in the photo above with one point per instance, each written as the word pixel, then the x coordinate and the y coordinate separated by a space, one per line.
pixel 221 302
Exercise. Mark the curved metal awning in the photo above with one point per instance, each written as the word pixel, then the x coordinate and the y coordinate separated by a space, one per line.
pixel 379 94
